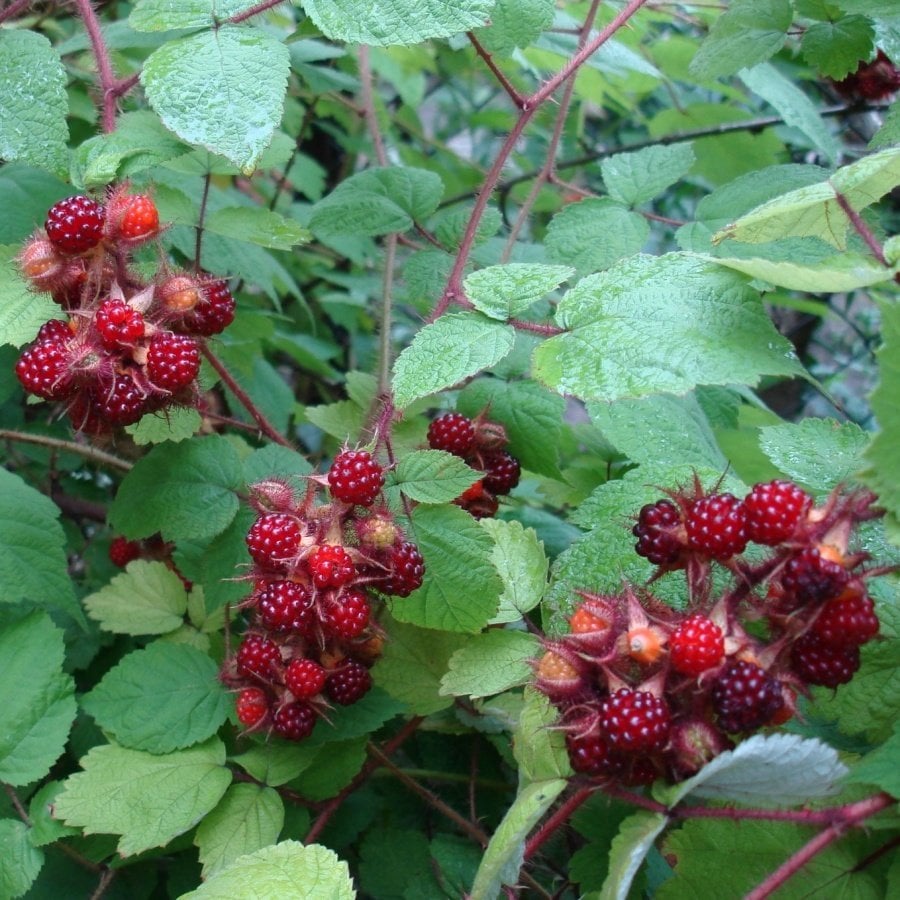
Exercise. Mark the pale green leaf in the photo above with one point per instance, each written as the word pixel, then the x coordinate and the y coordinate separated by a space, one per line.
pixel 629 848
pixel 539 750
pixel 835 48
pixel 274 762
pixel 166 15
pixel 490 663
pixel 257 226
pixel 520 561
pixel 176 424
pixel 20 861
pixel 22 311
pixel 431 476
pixel 44 828
pixel 504 291
pixel 633 178
pixel 516 23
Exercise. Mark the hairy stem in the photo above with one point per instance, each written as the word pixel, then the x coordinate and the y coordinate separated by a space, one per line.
pixel 86 450
pixel 14 9
pixel 505 83
pixel 108 83
pixel 262 7
pixel 557 820
pixel 861 228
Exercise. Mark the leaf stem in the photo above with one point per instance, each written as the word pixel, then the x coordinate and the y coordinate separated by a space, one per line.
pixel 201 218
pixel 86 450
pixel 262 7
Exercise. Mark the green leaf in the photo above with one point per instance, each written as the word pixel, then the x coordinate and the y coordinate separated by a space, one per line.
pixel 889 133
pixel 147 598
pixel 275 460
pixel 26 193
pixel 22 312
pixel 165 15
pixel 33 102
pixel 516 23
pixel 490 663
pixel 183 491
pixel 393 861
pixel 20 861
pixel 432 476
pixel 592 234
pixel 288 869
pixel 378 201
pixel 504 291
pixel 395 21
pixel 258 226
pixel 634 178
pixel 163 698
pixel 629 848
pixel 747 33
pixel 539 750
pixel 222 89
pixel 835 48
pixel 44 828
pixel 175 425
pixel 39 703
pixel 147 799
pixel 248 818
pixel 660 324
pixel 453 348
pixel 880 766
pixel 333 767
pixel 520 561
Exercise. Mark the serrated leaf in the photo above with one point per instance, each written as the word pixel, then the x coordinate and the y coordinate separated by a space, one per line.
pixel 880 766
pixel 288 869
pixel 39 704
pixel 889 133
pixel 660 324
pixel 177 424
pixel 147 598
pixel 248 818
pixel 629 848
pixel 539 750
pixel 276 460
pixel 22 311
pixel 431 476
pixel 163 698
pixel 146 799
pixel 490 663
pixel 20 861
pixel 223 90
pixel 44 828
pixel 165 15
pixel 333 767
pixel 507 290
pixel 516 23
pixel 835 48
pixel 448 350
pixel 633 178
pixel 274 763
pixel 33 102
pixel 520 561
pixel 257 226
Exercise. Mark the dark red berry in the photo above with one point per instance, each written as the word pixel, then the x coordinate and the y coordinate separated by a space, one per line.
pixel 659 533
pixel 478 501
pixel 173 360
pixel 811 577
pixel 122 551
pixel 118 323
pixel 43 369
pixel 295 721
pixel 773 510
pixel 213 313
pixel 696 645
pixel 285 606
pixel 453 433
pixel 121 403
pixel 258 657
pixel 591 755
pixel 54 330
pixel 716 526
pixel 745 697
pixel 140 221
pixel 355 477
pixel 817 663
pixel 407 569
pixel 75 225
pixel 347 616
pixel 847 621
pixel 304 678
pixel 501 471
pixel 349 683
pixel 252 706
pixel 331 566
pixel 635 722
pixel 274 539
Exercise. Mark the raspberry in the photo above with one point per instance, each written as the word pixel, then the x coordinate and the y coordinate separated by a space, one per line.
pixel 75 225
pixel 745 697
pixel 274 539
pixel 716 526
pixel 118 324
pixel 453 433
pixel 304 678
pixel 43 369
pixel 847 621
pixel 349 683
pixel 252 706
pixel 285 606
pixel 213 314
pixel 407 570
pixel 817 663
pixel 774 510
pixel 258 656
pixel 501 471
pixel 696 645
pixel 331 566
pixel 121 404
pixel 655 530
pixel 54 330
pixel 811 577
pixel 140 221
pixel 173 360
pixel 122 551
pixel 558 678
pixel 582 621
pixel 635 721
pixel 295 721
pixel 591 755
pixel 347 616
pixel 355 477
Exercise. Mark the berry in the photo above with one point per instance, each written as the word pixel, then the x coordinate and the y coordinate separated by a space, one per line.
pixel 178 294
pixel 477 501
pixel 122 551
pixel 213 314
pixel 453 433
pixel 331 566
pixel 75 225
pixel 258 657
pixel 43 369
pixel 558 678
pixel 121 404
pixel 635 721
pixel 591 755
pixel 847 621
pixel 295 721
pixel 773 511
pixel 716 526
pixel 252 706
pixel 501 471
pixel 42 265
pixel 811 577
pixel 274 539
pixel 583 621
pixel 54 330
pixel 696 645
pixel 745 697
pixel 285 606
pixel 347 616
pixel 407 570
pixel 817 663
pixel 304 678
pixel 118 324
pixel 655 530
pixel 349 683
pixel 140 221
pixel 355 477
pixel 173 360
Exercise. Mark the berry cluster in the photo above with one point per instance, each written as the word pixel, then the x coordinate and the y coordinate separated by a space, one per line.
pixel 316 568
pixel 482 445
pixel 126 346
pixel 646 691
pixel 875 80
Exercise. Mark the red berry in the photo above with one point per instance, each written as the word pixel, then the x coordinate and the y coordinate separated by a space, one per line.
pixel 213 313
pixel 258 657
pixel 122 403
pixel 349 683
pixel 716 526
pixel 141 219
pixel 118 324
pixel 43 369
pixel 295 721
pixel 274 539
pixel 658 532
pixel 635 722
pixel 696 645
pixel 501 471
pixel 847 621
pixel 591 755
pixel 252 706
pixel 331 566
pixel 285 606
pixel 773 510
pixel 75 225
pixel 817 663
pixel 453 433
pixel 811 577
pixel 477 501
pixel 54 330
pixel 122 551
pixel 304 678
pixel 745 697
pixel 355 477
pixel 407 570
pixel 173 360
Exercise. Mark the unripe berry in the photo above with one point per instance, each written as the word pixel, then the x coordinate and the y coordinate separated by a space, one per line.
pixel 179 294
pixel 558 677
pixel 42 266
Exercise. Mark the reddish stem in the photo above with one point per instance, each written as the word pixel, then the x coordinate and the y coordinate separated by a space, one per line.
pixel 505 83
pixel 13 9
pixel 262 7
pixel 108 82
pixel 536 327
pixel 557 820
pixel 862 229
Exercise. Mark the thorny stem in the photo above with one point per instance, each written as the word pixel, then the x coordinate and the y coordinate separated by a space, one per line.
pixel 557 820
pixel 13 9
pixel 88 452
pixel 536 327
pixel 109 87
pixel 262 7
pixel 862 229
pixel 505 83
pixel 201 218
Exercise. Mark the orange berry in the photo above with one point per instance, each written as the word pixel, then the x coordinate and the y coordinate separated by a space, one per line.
pixel 645 645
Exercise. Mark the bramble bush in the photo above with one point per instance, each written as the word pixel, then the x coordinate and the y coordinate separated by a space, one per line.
pixel 450 449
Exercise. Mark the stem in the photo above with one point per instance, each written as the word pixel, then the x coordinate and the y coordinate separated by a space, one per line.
pixel 105 881
pixel 262 7
pixel 14 9
pixel 557 820
pixel 862 229
pixel 384 336
pixel 505 83
pixel 535 327
pixel 85 450
pixel 368 105
pixel 17 805
pixel 108 82
pixel 202 217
